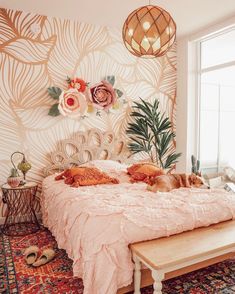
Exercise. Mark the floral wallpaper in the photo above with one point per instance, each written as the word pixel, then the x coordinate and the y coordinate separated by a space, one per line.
pixel 37 52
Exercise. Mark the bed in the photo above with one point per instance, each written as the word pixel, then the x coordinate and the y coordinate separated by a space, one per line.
pixel 96 224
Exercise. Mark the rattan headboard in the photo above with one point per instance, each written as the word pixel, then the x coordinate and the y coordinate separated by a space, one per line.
pixel 86 146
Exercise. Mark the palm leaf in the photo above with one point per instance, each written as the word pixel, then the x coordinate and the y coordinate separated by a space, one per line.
pixel 151 132
pixel 171 159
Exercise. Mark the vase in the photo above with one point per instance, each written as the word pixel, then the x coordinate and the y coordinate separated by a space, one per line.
pixel 13 182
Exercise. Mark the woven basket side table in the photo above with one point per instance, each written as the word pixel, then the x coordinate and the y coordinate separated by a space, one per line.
pixel 20 218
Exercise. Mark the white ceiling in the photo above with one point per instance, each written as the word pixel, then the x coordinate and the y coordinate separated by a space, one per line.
pixel 189 15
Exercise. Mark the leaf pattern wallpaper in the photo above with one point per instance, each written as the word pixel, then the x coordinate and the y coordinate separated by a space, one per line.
pixel 37 52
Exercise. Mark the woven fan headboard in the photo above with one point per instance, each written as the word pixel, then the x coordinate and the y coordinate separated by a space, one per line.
pixel 86 146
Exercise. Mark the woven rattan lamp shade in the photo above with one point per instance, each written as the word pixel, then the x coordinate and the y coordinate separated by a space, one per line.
pixel 149 31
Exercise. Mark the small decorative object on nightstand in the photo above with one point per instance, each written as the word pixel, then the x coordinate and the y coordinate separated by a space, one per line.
pixel 24 166
pixel 21 218
pixel 14 179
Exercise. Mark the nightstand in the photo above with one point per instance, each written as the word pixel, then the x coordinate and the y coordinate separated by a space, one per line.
pixel 20 218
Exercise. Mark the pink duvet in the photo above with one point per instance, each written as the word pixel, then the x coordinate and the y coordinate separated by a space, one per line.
pixel 95 224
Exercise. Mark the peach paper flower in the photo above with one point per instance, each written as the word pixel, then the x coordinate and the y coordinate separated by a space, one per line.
pixel 72 103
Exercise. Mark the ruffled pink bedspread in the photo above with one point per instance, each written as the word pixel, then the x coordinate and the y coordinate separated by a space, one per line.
pixel 95 224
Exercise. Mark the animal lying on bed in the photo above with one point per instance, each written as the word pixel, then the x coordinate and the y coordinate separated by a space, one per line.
pixel 85 176
pixel 168 182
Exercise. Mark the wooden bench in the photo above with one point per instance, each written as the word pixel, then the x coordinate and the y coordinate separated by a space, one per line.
pixel 185 252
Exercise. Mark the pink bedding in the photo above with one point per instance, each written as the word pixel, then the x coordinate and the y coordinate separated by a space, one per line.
pixel 95 224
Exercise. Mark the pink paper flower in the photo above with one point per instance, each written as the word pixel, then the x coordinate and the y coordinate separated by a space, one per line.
pixel 72 102
pixel 103 95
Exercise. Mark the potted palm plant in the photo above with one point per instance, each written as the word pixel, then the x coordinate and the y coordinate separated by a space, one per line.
pixel 151 132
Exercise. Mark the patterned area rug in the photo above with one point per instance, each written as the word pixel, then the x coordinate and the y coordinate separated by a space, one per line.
pixel 57 277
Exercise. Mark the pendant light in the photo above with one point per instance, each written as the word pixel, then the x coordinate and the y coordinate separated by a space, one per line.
pixel 149 31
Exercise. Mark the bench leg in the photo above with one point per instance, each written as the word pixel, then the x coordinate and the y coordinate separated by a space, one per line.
pixel 137 275
pixel 158 278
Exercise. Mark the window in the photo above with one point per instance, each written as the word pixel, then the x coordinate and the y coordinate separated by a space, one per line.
pixel 217 102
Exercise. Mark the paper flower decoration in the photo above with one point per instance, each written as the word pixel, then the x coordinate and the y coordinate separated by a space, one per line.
pixel 72 102
pixel 78 84
pixel 103 95
pixel 79 99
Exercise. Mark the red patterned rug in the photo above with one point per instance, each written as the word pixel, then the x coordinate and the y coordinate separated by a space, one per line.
pixel 57 277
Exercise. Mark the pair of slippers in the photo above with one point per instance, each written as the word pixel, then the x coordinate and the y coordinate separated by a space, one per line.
pixel 31 256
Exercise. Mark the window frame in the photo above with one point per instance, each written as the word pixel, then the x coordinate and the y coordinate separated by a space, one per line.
pixel 199 72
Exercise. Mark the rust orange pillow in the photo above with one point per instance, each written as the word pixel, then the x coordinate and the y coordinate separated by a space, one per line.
pixel 144 171
pixel 85 176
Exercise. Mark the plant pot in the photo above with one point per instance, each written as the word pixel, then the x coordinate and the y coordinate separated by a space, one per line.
pixel 13 182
